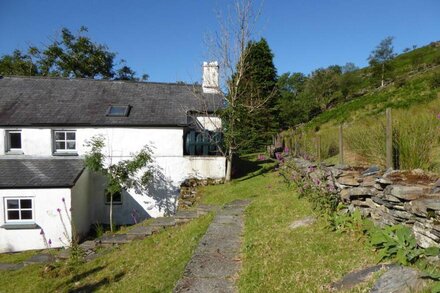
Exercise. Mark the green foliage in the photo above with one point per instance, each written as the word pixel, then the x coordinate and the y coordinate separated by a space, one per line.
pixel 380 59
pixel 17 64
pixel 257 92
pixel 342 221
pixel 435 81
pixel 69 55
pixel 398 242
pixel 125 174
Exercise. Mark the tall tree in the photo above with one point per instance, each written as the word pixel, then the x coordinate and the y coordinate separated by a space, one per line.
pixel 70 55
pixel 292 104
pixel 17 64
pixel 258 92
pixel 228 46
pixel 380 58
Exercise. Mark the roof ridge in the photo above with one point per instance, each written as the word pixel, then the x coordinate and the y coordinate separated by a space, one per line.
pixel 97 80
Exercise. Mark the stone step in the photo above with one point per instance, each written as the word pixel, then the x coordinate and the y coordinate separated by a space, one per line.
pixel 204 209
pixel 185 216
pixel 40 258
pixel 114 239
pixel 88 245
pixel 141 232
pixel 163 222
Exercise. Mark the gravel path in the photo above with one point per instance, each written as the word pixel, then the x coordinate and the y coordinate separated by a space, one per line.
pixel 215 264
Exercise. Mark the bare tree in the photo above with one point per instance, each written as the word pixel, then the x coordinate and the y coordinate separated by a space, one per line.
pixel 228 47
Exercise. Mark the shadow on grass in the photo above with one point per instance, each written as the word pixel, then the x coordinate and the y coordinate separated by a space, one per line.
pixel 247 167
pixel 96 285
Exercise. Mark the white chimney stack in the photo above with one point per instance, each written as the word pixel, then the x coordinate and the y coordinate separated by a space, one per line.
pixel 210 83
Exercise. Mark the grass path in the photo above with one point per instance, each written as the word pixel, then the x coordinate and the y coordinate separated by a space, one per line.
pixel 277 259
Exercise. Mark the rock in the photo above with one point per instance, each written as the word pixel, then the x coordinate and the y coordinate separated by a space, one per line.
pixel 356 192
pixel 418 172
pixel 368 202
pixel 342 167
pixel 345 195
pixel 424 235
pixel 368 181
pixel 399 279
pixel 422 206
pixel 384 181
pixel 307 221
pixel 371 171
pixel 378 187
pixel 163 222
pixel 355 278
pixel 88 245
pixel 382 202
pixel 140 232
pixel 406 192
pixel 114 239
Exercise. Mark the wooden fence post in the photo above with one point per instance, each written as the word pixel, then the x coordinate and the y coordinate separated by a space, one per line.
pixel 341 146
pixel 389 139
pixel 318 148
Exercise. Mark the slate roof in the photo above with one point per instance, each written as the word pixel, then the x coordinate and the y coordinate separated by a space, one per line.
pixel 39 173
pixel 39 101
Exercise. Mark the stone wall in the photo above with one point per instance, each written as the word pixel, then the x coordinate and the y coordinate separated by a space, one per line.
pixel 389 197
pixel 188 191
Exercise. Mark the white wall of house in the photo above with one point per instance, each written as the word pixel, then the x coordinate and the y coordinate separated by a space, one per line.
pixel 172 168
pixel 45 205
pixel 82 210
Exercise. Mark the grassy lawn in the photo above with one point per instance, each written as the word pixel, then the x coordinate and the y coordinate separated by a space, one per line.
pixel 151 265
pixel 275 258
pixel 278 259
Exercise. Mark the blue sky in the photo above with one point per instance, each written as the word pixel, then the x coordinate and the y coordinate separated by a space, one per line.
pixel 165 38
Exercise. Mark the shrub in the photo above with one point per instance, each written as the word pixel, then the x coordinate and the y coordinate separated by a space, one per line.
pixel 435 81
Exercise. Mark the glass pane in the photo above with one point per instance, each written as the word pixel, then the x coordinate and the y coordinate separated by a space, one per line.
pixel 117 197
pixel 70 145
pixel 26 215
pixel 12 203
pixel 15 140
pixel 26 203
pixel 60 145
pixel 13 215
pixel 60 135
pixel 70 135
pixel 117 110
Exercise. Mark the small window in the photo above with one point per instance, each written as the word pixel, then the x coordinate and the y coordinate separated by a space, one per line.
pixel 13 140
pixel 19 209
pixel 118 111
pixel 64 141
pixel 117 198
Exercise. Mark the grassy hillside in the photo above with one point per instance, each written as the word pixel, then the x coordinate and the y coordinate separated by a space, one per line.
pixel 412 91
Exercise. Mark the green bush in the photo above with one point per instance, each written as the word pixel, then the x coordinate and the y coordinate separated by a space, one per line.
pixel 435 80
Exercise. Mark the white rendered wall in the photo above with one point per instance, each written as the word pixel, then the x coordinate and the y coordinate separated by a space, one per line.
pixel 172 167
pixel 46 202
pixel 82 215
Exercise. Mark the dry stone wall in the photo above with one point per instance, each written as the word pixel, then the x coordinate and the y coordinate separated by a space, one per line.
pixel 389 197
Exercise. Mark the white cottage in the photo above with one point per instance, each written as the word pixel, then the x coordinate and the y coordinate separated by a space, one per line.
pixel 44 124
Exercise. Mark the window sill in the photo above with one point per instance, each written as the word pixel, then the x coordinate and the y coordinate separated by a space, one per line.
pixel 65 154
pixel 14 152
pixel 115 203
pixel 18 226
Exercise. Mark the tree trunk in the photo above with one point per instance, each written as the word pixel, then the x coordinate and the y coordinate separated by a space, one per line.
pixel 111 212
pixel 228 166
pixel 383 72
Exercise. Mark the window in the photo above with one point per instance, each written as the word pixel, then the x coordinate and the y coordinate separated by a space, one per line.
pixel 13 141
pixel 19 209
pixel 118 111
pixel 64 141
pixel 117 198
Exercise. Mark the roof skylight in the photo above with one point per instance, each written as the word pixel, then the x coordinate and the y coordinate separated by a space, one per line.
pixel 118 110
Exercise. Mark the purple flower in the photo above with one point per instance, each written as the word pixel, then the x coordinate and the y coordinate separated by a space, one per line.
pixel 286 150
pixel 41 232
pixel 63 199
pixel 59 210
pixel 438 116
pixel 50 241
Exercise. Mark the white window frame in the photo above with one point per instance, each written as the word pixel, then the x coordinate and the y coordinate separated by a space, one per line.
pixel 32 209
pixel 65 140
pixel 9 149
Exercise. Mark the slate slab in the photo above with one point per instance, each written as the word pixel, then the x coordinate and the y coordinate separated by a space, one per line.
pixel 164 222
pixel 114 239
pixel 355 278
pixel 141 232
pixel 11 266
pixel 399 279
pixel 40 258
